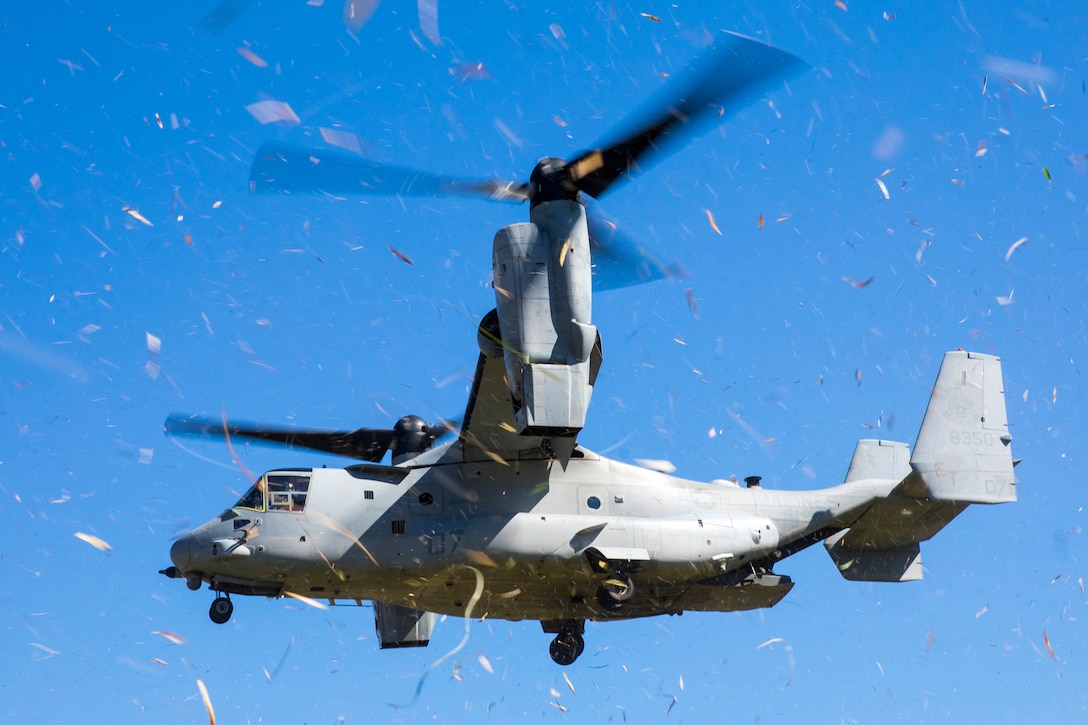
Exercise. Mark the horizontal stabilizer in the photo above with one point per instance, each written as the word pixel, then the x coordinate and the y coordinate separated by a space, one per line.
pixel 962 453
pixel 898 564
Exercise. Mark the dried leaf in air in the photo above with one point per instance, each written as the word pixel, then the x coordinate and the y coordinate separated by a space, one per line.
pixel 428 20
pixel 171 637
pixel 470 72
pixel 137 215
pixel 48 650
pixel 273 112
pixel 486 663
pixel 357 12
pixel 207 701
pixel 651 17
pixel 401 256
pixel 656 464
pixel 307 600
pixel 93 541
pixel 342 139
pixel 480 558
pixel 713 224
pixel 1017 86
pixel 689 293
pixel 858 284
pixel 1015 245
pixel 789 654
pixel 252 57
pixel 1046 641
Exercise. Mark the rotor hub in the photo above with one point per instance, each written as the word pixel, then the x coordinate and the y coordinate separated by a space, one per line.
pixel 411 436
pixel 551 181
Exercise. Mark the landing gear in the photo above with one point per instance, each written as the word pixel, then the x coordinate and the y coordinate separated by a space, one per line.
pixel 568 644
pixel 221 610
pixel 615 591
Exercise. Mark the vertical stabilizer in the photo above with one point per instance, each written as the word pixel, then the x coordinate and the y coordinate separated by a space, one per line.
pixel 962 453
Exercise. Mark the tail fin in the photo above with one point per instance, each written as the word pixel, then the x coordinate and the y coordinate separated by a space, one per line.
pixel 961 457
pixel 962 453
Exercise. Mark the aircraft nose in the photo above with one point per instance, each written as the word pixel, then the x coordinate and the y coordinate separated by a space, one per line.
pixel 180 552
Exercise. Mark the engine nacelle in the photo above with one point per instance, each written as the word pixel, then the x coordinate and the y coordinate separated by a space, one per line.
pixel 543 294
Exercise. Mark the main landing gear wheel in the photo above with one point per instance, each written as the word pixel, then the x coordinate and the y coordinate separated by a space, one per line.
pixel 616 591
pixel 221 610
pixel 567 646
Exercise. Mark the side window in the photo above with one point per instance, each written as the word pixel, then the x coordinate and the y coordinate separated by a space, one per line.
pixel 287 492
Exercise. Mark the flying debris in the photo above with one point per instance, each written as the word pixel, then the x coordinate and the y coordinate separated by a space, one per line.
pixel 1015 245
pixel 94 541
pixel 509 517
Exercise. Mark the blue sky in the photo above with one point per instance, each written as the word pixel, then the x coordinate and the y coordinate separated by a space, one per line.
pixel 293 310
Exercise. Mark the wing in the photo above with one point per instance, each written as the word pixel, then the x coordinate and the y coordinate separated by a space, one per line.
pixel 488 431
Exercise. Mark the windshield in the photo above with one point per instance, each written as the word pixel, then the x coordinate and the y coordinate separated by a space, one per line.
pixel 286 492
pixel 254 497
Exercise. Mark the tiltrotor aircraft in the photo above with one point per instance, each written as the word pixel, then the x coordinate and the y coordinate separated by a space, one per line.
pixel 513 519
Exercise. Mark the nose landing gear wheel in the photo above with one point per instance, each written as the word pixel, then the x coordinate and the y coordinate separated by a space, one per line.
pixel 616 591
pixel 221 610
pixel 566 647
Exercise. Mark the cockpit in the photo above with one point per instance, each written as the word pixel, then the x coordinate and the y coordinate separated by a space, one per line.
pixel 278 491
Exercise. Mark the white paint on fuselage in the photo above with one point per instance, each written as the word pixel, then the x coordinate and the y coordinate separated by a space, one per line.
pixel 525 526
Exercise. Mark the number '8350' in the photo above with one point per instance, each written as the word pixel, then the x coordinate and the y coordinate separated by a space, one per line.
pixel 971 437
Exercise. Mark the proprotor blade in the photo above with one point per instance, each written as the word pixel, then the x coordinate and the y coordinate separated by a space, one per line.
pixel 618 261
pixel 729 76
pixel 366 444
pixel 287 167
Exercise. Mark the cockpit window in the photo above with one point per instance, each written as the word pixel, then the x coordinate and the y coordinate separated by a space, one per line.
pixel 253 498
pixel 287 491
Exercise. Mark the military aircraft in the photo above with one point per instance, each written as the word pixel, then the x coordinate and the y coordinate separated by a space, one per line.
pixel 512 518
